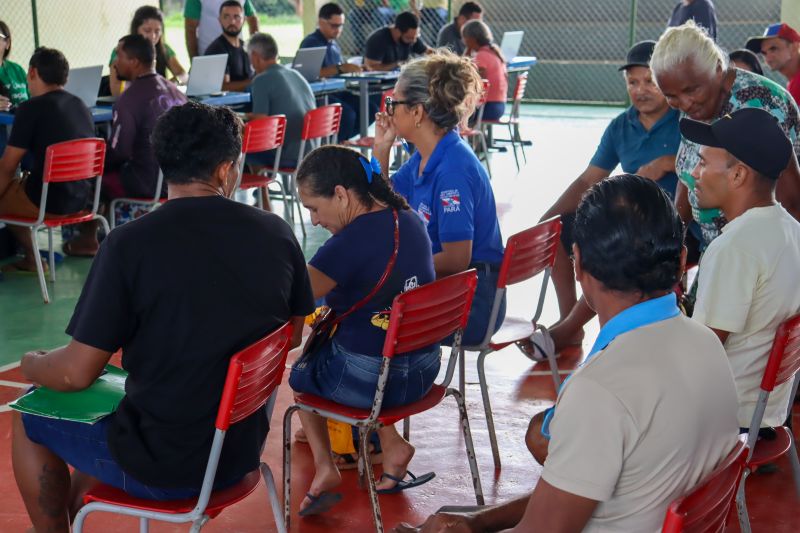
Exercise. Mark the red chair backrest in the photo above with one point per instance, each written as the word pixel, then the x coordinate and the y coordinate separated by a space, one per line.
pixel 384 94
pixel 74 160
pixel 519 88
pixel 253 374
pixel 705 507
pixel 529 252
pixel 322 122
pixel 430 313
pixel 784 358
pixel 264 134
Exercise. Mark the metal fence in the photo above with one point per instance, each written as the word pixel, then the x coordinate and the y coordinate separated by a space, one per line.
pixel 86 31
pixel 580 43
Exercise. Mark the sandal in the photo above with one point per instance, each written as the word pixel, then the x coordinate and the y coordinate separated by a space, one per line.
pixel 403 485
pixel 349 461
pixel 321 503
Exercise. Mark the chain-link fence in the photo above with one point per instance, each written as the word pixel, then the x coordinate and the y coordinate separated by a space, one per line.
pixel 580 44
pixel 85 31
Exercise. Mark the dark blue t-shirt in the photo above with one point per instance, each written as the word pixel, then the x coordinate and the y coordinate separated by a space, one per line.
pixel 627 143
pixel 356 257
pixel 454 198
pixel 333 54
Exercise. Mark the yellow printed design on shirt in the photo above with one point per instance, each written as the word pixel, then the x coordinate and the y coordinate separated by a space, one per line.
pixel 381 319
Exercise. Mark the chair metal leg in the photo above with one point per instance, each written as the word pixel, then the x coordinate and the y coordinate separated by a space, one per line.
pixel 104 223
pixel 407 428
pixel 473 462
pixel 741 505
pixel 487 408
pixel 462 372
pixel 51 256
pixel 365 463
pixel 272 494
pixel 795 462
pixel 513 145
pixel 37 257
pixel 521 142
pixel 299 207
pixel 486 154
pixel 287 465
pixel 198 524
pixel 144 525
pixel 551 360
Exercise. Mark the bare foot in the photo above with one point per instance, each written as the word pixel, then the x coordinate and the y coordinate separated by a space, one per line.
pixel 25 264
pixel 324 480
pixel 564 335
pixel 396 457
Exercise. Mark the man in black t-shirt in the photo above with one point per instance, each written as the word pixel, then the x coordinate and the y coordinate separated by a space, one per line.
pixel 52 115
pixel 238 71
pixel 177 328
pixel 388 47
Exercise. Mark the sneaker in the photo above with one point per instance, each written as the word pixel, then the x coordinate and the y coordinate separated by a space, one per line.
pixel 540 346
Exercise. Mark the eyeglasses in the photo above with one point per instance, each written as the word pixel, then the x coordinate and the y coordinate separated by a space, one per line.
pixel 391 103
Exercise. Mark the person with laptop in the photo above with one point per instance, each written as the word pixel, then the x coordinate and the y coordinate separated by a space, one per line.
pixel 388 47
pixel 278 90
pixel 450 35
pixel 239 71
pixel 131 168
pixel 330 23
pixel 201 23
pixel 747 274
pixel 50 116
pixel 653 408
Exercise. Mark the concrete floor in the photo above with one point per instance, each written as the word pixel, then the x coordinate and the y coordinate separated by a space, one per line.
pixel 564 140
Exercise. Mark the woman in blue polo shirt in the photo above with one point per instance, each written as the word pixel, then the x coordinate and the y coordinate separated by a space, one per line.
pixel 347 196
pixel 444 182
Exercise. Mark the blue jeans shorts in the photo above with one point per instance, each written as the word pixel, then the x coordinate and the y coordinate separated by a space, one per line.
pixel 350 378
pixel 85 447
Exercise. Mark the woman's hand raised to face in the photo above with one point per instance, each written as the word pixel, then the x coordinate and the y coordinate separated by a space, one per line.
pixel 385 133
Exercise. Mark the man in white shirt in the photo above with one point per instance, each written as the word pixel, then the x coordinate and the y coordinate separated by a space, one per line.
pixel 747 280
pixel 653 408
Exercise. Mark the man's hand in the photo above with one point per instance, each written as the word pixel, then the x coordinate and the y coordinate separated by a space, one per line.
pixel 349 68
pixel 5 103
pixel 655 169
pixel 441 523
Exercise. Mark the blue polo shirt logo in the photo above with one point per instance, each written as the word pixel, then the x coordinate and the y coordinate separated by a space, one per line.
pixel 451 201
pixel 424 213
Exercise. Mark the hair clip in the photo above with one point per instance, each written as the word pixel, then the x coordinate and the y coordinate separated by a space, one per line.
pixel 370 167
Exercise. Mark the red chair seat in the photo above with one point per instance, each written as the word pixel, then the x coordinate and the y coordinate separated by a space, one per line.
pixel 387 416
pixel 286 170
pixel 766 451
pixel 219 499
pixel 55 221
pixel 251 181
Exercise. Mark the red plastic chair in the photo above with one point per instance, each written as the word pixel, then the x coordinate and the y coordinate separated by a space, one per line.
pixel 477 132
pixel 81 159
pixel 253 376
pixel 782 367
pixel 528 253
pixel 512 122
pixel 705 508
pixel 261 135
pixel 319 125
pixel 419 317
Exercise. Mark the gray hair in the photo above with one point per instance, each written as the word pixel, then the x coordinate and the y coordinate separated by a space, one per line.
pixel 682 43
pixel 478 30
pixel 264 45
pixel 448 87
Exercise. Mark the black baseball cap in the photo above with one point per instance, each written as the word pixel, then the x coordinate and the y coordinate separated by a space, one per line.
pixel 751 135
pixel 639 55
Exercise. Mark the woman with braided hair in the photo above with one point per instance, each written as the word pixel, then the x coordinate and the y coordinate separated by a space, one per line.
pixel 371 224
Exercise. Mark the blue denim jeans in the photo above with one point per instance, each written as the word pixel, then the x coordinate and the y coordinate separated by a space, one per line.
pixel 351 378
pixel 85 447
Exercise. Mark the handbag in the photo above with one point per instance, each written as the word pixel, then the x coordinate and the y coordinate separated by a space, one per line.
pixel 324 325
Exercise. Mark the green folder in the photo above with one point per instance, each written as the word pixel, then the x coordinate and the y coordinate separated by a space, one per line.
pixel 87 406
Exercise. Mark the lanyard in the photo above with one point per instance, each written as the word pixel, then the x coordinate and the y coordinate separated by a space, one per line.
pixel 634 317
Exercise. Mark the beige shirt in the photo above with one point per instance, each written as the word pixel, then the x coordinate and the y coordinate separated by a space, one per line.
pixel 748 285
pixel 642 422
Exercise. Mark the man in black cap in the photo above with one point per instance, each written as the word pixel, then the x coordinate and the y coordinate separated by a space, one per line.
pixel 748 276
pixel 643 140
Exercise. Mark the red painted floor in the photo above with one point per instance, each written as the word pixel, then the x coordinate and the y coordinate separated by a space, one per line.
pixel 519 390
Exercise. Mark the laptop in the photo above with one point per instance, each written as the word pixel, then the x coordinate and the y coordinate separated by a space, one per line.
pixel 84 83
pixel 512 40
pixel 206 75
pixel 308 62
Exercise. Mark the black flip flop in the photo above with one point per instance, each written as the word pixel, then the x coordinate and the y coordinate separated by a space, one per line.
pixel 403 485
pixel 322 503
